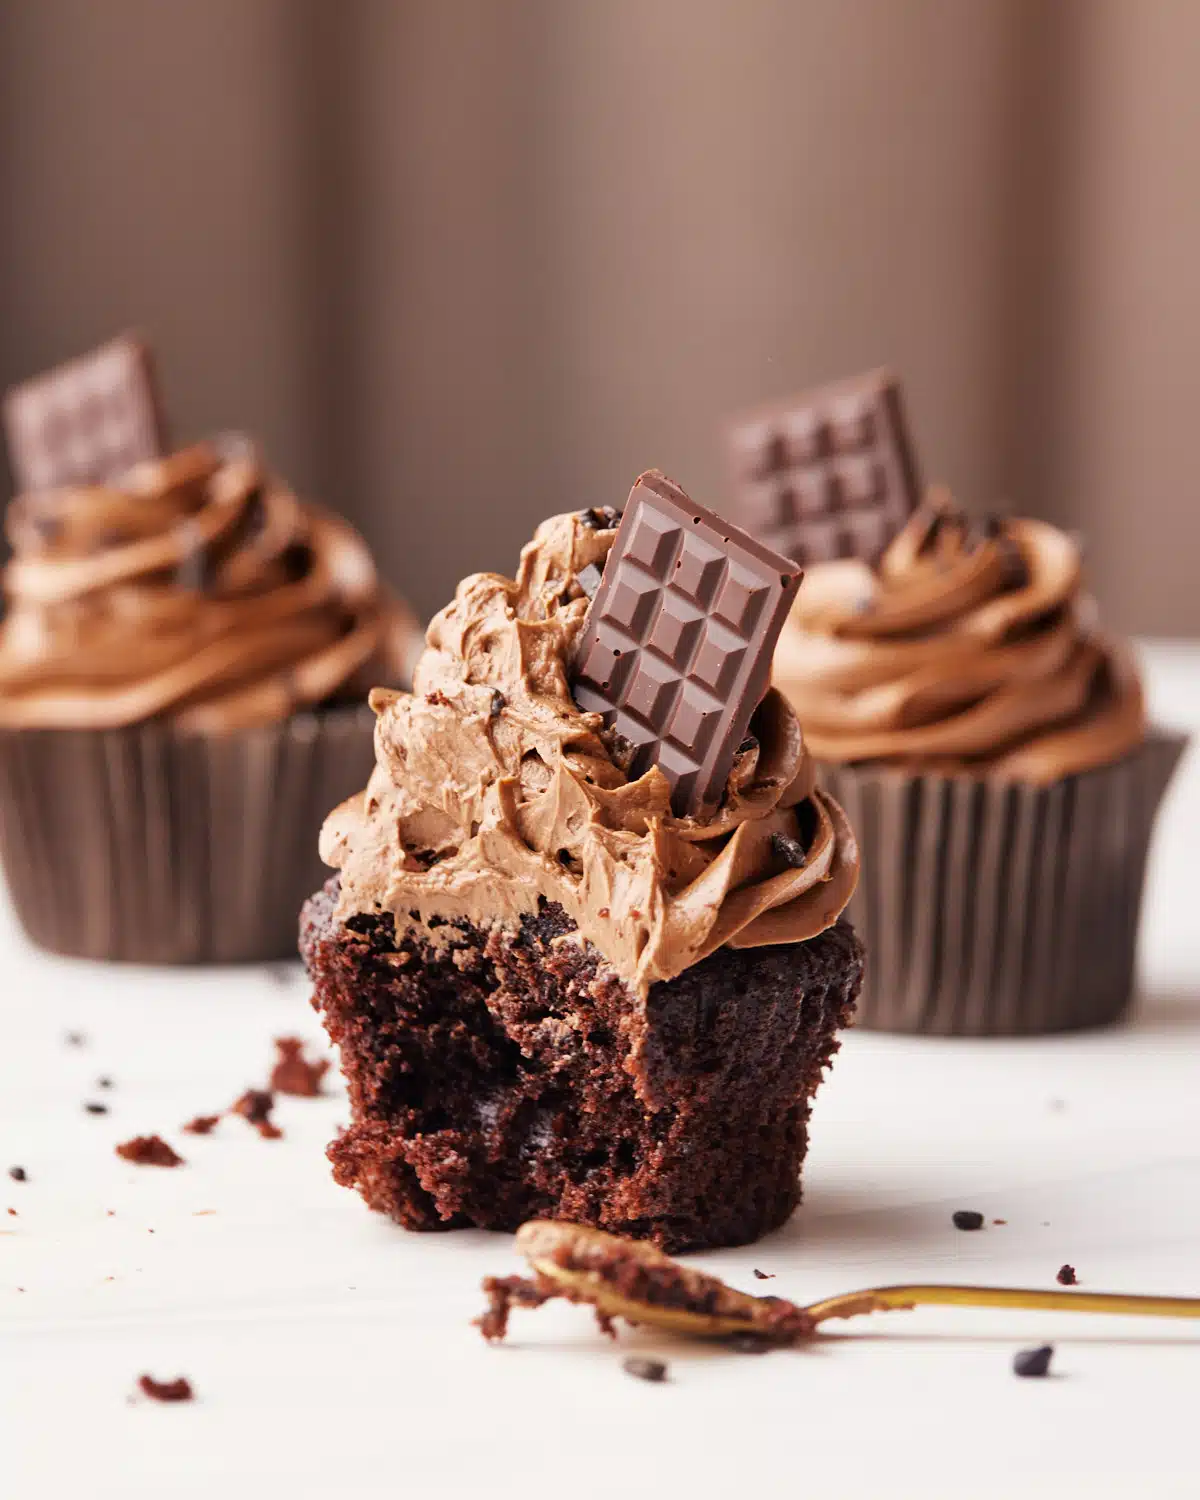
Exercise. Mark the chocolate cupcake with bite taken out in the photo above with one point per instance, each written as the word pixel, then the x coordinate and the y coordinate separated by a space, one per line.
pixel 183 662
pixel 584 956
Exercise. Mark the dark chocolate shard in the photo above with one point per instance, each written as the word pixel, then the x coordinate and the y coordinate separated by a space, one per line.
pixel 676 649
pixel 88 421
pixel 829 473
pixel 1033 1362
pixel 967 1218
pixel 588 579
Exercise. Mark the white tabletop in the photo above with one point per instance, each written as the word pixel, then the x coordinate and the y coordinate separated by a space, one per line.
pixel 332 1355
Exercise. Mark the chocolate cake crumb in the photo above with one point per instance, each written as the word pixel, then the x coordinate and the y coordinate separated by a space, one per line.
pixel 255 1108
pixel 166 1390
pixel 148 1151
pixel 789 850
pixel 437 699
pixel 498 705
pixel 503 1294
pixel 75 1039
pixel 764 1275
pixel 293 1073
pixel 18 1174
pixel 999 1221
pixel 12 1213
pixel 104 1082
pixel 95 1108
pixel 967 1218
pixel 1033 1362
pixel 201 1125
pixel 653 1370
pixel 1066 1276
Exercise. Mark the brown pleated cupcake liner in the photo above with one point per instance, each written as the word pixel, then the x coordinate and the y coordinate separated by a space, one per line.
pixel 154 846
pixel 996 908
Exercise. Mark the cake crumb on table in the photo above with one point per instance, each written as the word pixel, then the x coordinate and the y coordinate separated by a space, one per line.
pixel 255 1108
pixel 149 1151
pixel 179 1389
pixel 653 1370
pixel 293 1073
pixel 1066 1276
pixel 967 1218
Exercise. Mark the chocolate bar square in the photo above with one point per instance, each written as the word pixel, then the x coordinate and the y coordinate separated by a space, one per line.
pixel 830 473
pixel 676 649
pixel 87 421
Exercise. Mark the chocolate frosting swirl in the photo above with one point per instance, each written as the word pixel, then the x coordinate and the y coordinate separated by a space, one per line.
pixel 197 588
pixel 493 791
pixel 966 649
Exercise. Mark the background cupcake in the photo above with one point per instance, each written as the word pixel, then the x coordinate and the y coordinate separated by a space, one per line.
pixel 182 666
pixel 990 746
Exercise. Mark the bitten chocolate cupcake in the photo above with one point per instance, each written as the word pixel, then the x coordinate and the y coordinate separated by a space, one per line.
pixel 584 955
pixel 990 744
pixel 183 663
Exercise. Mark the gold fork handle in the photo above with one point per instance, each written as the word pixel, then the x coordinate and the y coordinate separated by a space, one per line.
pixel 885 1298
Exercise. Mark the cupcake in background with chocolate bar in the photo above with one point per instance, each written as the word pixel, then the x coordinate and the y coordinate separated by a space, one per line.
pixel 990 744
pixel 584 956
pixel 184 660
pixel 987 740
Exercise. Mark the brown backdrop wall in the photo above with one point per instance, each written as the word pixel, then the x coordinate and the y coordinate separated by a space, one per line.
pixel 462 262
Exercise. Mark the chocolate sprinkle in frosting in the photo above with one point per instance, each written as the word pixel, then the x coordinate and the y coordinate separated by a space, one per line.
pixel 600 518
pixel 789 850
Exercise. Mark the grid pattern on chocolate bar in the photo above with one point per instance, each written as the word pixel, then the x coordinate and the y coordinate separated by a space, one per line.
pixel 676 649
pixel 830 473
pixel 87 421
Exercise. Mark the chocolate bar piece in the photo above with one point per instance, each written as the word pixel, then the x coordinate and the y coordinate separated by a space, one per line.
pixel 676 648
pixel 87 421
pixel 830 473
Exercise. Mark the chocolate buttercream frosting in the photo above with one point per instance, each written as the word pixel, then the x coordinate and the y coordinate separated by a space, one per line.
pixel 197 588
pixel 970 647
pixel 494 791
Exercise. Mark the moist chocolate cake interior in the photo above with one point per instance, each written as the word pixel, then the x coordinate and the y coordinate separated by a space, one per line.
pixel 510 1074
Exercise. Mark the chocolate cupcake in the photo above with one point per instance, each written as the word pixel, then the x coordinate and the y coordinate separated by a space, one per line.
pixel 991 746
pixel 183 663
pixel 567 978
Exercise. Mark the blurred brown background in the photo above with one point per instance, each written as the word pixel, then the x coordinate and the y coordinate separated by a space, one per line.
pixel 464 262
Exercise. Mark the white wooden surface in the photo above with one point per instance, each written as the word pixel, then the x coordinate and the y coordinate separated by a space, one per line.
pixel 331 1352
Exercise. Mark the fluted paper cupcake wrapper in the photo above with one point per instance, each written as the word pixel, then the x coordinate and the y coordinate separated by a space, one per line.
pixel 996 908
pixel 155 846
